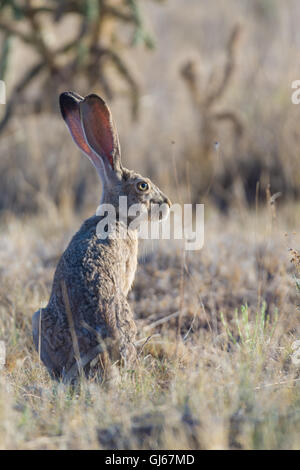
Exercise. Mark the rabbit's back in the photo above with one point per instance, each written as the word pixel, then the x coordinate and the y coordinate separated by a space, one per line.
pixel 89 292
pixel 88 305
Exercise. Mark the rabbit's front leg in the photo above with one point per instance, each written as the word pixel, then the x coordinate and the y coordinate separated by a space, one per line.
pixel 127 333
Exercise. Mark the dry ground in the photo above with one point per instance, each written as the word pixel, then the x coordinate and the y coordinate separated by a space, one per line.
pixel 226 381
pixel 217 371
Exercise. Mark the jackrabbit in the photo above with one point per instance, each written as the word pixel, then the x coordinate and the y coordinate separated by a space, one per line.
pixel 88 324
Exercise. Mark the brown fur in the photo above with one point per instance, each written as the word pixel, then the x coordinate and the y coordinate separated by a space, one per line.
pixel 97 274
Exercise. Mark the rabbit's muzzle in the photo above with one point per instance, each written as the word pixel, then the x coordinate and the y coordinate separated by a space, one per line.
pixel 159 211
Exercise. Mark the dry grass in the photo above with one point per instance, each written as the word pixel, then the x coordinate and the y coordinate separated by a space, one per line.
pixel 219 373
pixel 226 382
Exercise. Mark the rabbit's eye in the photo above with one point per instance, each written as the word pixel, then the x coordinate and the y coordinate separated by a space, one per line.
pixel 143 186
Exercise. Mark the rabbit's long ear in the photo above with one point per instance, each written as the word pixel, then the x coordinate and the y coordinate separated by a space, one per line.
pixel 100 133
pixel 69 106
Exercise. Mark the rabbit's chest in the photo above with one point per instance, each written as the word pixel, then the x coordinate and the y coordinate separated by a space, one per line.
pixel 129 265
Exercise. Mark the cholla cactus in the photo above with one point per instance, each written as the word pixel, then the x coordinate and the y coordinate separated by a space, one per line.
pixel 206 99
pixel 95 46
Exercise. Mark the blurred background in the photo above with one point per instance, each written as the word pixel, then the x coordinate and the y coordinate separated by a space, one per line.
pixel 201 95
pixel 200 92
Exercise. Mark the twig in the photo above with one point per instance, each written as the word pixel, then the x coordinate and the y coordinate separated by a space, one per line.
pixel 182 285
pixel 124 72
pixel 161 321
pixel 39 41
pixel 23 83
pixel 15 32
pixel 233 118
pixel 190 328
pixel 145 342
pixel 139 341
pixel 283 382
pixel 219 91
